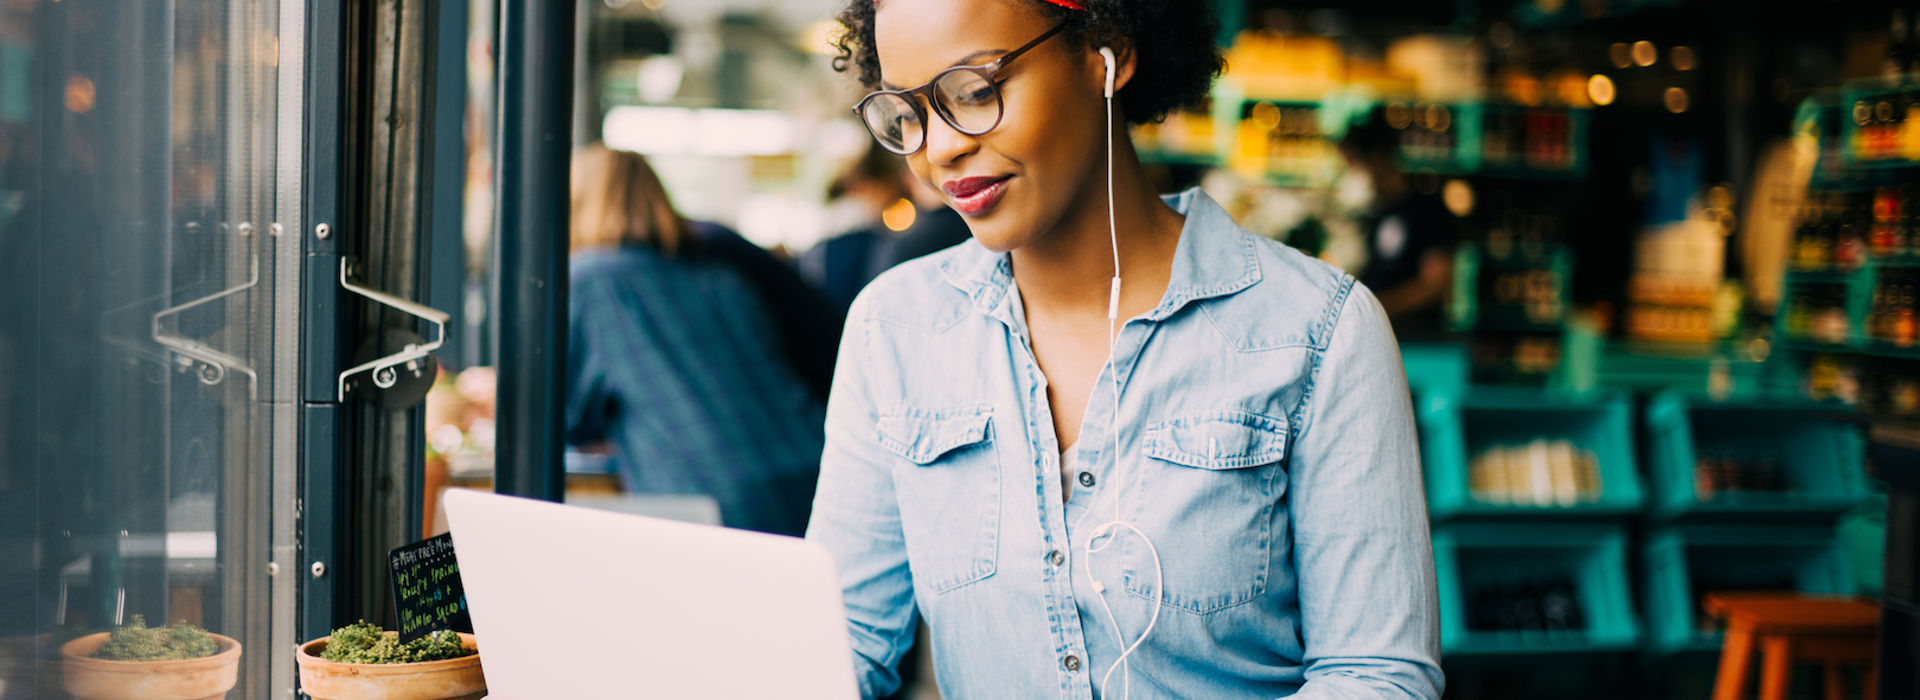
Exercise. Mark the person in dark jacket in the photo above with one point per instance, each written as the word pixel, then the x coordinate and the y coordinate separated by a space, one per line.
pixel 673 358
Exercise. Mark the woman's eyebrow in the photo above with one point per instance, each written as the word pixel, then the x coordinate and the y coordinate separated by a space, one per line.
pixel 964 60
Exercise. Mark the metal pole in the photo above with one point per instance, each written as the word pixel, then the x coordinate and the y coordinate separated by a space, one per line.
pixel 536 104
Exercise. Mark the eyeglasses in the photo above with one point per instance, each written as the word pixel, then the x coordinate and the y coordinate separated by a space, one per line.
pixel 966 97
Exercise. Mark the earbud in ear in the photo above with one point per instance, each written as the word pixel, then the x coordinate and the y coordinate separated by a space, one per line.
pixel 1107 55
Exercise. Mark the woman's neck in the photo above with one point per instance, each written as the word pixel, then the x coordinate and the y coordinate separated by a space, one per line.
pixel 1069 271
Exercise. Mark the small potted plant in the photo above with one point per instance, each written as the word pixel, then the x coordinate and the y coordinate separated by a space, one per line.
pixel 361 662
pixel 137 662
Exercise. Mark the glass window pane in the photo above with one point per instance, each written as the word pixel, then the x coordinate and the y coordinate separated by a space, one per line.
pixel 149 253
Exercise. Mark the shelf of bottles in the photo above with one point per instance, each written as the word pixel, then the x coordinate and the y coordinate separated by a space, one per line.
pixel 1294 142
pixel 1186 137
pixel 1491 139
pixel 1854 267
pixel 1283 141
pixel 1510 291
pixel 1533 142
pixel 1882 124
pixel 1855 270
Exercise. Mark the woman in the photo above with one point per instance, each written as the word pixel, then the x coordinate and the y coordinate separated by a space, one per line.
pixel 1241 504
pixel 672 358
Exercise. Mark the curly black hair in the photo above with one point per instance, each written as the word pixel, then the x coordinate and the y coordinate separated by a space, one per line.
pixel 1173 40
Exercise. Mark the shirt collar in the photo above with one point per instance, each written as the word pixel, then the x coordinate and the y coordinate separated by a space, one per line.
pixel 1214 258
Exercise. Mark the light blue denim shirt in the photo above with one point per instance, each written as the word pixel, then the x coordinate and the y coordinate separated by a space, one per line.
pixel 1265 445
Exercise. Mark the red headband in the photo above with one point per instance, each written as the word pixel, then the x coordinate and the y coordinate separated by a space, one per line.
pixel 1069 4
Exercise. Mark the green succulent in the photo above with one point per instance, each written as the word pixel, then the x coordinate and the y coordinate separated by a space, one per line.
pixel 364 643
pixel 138 642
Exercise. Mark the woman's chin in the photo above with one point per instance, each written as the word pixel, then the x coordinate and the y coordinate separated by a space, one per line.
pixel 997 238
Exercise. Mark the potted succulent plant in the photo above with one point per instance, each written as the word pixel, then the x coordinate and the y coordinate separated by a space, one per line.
pixel 361 662
pixel 137 662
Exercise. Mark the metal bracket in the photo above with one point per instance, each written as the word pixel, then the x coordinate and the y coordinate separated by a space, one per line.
pixel 214 364
pixel 386 370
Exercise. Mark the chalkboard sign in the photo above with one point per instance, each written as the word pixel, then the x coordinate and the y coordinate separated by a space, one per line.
pixel 426 588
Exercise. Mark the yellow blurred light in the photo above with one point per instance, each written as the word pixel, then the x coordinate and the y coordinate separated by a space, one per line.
pixel 654 4
pixel 1682 57
pixel 1675 99
pixel 899 215
pixel 1644 53
pixel 1267 115
pixel 1570 88
pixel 1720 197
pixel 1600 89
pixel 1620 55
pixel 1399 116
pixel 80 94
pixel 1525 89
pixel 1458 196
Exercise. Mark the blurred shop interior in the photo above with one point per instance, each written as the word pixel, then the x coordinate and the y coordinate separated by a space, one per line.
pixel 1653 265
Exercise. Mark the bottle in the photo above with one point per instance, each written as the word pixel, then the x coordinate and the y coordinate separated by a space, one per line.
pixel 1705 485
pixel 1850 252
pixel 1799 317
pixel 1904 328
pixel 1877 313
pixel 1884 242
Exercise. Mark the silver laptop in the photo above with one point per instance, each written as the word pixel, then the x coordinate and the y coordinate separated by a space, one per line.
pixel 569 602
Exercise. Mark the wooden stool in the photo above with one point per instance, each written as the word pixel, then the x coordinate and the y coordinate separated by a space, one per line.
pixel 1790 628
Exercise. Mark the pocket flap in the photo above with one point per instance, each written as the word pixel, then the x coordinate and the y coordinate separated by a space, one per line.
pixel 1218 440
pixel 923 436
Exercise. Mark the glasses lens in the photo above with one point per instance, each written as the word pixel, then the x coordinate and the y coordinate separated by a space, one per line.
pixel 970 98
pixel 893 122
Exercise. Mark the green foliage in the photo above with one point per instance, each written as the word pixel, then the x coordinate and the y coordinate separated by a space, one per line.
pixel 364 643
pixel 138 642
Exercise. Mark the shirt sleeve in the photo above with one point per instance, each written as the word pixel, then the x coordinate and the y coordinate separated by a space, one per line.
pixel 1368 604
pixel 856 517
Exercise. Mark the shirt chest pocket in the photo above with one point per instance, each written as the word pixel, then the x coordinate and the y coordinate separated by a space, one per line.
pixel 1208 491
pixel 948 488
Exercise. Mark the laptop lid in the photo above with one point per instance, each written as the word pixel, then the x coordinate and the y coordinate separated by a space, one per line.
pixel 569 602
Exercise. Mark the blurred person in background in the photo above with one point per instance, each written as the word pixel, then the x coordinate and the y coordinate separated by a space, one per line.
pixel 1409 234
pixel 841 265
pixel 674 360
pixel 809 325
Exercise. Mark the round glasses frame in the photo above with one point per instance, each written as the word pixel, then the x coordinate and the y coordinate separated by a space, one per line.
pixel 927 94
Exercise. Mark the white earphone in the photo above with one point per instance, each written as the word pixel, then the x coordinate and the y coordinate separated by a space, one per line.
pixel 1109 528
pixel 1107 54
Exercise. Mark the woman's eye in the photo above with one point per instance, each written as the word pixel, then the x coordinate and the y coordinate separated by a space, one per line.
pixel 978 96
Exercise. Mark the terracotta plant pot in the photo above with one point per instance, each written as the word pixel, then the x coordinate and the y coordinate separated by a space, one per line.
pixel 446 679
pixel 206 678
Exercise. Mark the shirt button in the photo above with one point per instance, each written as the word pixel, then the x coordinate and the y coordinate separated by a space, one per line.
pixel 1071 662
pixel 1086 479
pixel 1057 558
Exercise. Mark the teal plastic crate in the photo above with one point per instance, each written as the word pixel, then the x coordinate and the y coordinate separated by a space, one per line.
pixel 1732 368
pixel 1817 448
pixel 1470 558
pixel 1453 428
pixel 1683 563
pixel 1435 367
